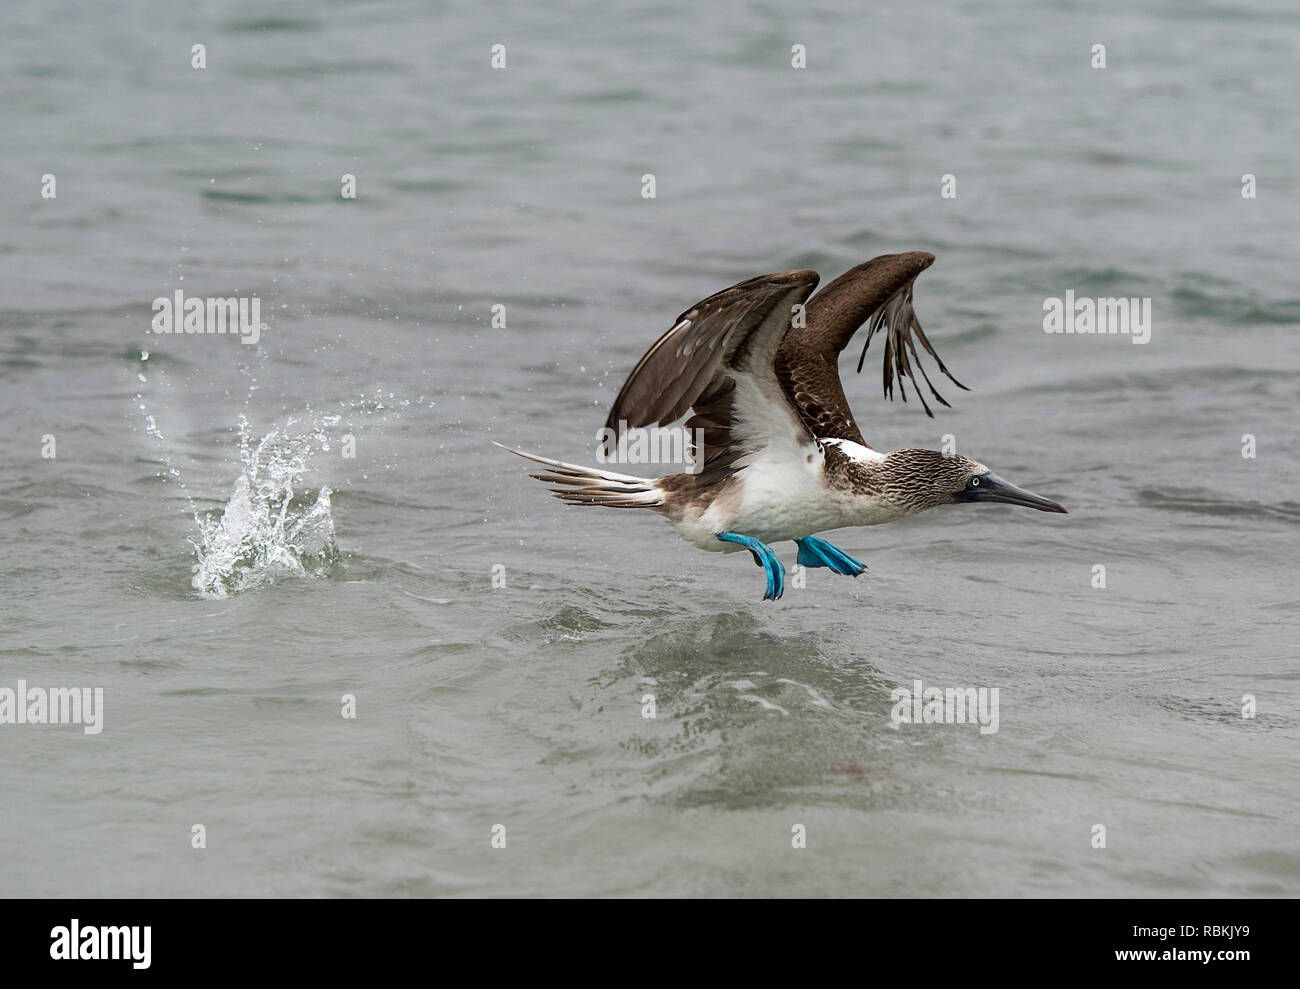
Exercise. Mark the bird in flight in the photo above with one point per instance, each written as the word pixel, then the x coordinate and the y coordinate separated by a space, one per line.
pixel 782 456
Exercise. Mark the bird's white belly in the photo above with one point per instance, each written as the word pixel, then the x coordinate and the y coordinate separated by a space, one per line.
pixel 772 511
pixel 772 503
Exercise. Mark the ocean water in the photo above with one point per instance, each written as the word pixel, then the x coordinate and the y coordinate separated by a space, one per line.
pixel 230 539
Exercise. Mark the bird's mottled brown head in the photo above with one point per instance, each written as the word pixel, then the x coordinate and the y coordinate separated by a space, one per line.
pixel 922 479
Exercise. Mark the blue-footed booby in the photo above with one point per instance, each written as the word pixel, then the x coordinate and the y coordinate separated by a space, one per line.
pixel 782 456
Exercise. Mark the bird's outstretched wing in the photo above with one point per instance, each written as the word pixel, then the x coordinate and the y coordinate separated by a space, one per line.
pixel 718 360
pixel 877 294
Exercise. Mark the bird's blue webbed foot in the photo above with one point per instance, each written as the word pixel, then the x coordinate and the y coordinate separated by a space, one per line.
pixel 814 552
pixel 765 557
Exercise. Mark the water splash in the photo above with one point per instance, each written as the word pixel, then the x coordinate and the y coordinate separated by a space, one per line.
pixel 274 523
pixel 268 529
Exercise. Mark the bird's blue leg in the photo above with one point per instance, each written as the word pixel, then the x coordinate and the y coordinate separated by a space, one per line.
pixel 814 552
pixel 765 557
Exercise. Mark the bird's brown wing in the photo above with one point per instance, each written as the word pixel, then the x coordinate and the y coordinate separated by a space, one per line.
pixel 718 360
pixel 878 294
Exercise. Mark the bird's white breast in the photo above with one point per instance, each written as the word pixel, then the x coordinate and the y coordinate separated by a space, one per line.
pixel 779 496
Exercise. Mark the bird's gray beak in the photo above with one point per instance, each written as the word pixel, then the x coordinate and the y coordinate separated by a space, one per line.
pixel 990 487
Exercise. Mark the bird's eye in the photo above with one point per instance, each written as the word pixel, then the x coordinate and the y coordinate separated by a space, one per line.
pixel 974 482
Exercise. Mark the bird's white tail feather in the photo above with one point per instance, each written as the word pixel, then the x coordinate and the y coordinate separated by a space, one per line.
pixel 590 486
